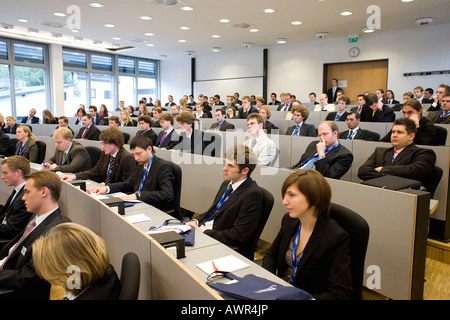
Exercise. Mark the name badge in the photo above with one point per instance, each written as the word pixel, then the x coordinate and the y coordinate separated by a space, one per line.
pixel 23 251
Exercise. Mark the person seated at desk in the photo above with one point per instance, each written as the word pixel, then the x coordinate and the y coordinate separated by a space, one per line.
pixel 221 124
pixel 236 209
pixel 246 108
pixel 115 164
pixel 324 105
pixel 191 139
pixel 26 146
pixel 376 111
pixel 6 147
pixel 31 119
pixel 311 251
pixel 126 119
pixel 13 215
pixel 327 156
pixel 80 113
pixel 341 114
pixel 90 131
pixel 63 122
pixel 42 191
pixel 151 181
pixel 441 116
pixel 79 247
pixel 48 118
pixel 355 132
pixel 403 159
pixel 10 125
pixel 168 138
pixel 70 156
pixel 97 119
pixel 146 123
pixel 265 113
pixel 425 130
pixel 300 115
pixel 262 146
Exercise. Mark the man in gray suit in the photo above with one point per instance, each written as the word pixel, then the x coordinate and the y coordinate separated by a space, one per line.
pixel 70 156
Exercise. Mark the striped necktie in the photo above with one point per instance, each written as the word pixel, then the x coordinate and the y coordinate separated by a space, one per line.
pixel 109 172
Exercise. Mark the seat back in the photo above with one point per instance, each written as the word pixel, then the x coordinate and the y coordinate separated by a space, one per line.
pixel 94 154
pixel 433 180
pixel 130 277
pixel 441 136
pixel 358 229
pixel 176 211
pixel 126 137
pixel 42 146
pixel 267 205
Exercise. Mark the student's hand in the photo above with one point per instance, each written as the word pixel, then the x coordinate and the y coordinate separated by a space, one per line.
pixel 100 190
pixel 128 197
pixel 321 147
pixel 45 165
pixel 416 119
pixel 68 177
pixel 378 169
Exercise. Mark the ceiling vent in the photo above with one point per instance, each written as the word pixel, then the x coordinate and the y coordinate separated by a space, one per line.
pixel 321 35
pixel 424 21
pixel 240 25
pixel 6 26
pixel 52 24
pixel 246 45
pixel 164 3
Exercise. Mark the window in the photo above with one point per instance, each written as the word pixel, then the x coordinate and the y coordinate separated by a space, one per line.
pixel 3 50
pixel 102 83
pixel 74 59
pixel 147 68
pixel 5 90
pixel 30 90
pixel 127 90
pixel 147 88
pixel 75 91
pixel 126 66
pixel 28 53
pixel 101 63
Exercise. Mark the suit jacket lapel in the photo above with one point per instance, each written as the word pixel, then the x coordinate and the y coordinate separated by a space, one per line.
pixel 313 242
pixel 234 196
pixel 402 154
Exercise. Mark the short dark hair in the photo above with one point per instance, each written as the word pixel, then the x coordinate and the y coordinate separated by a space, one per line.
pixel 256 116
pixel 112 136
pixel 18 163
pixel 413 103
pixel 222 111
pixel 93 107
pixel 345 99
pixel 244 157
pixel 167 117
pixel 409 124
pixel 146 118
pixel 47 179
pixel 141 142
pixel 370 99
pixel 357 115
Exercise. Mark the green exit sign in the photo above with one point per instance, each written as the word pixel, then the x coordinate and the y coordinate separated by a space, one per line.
pixel 352 40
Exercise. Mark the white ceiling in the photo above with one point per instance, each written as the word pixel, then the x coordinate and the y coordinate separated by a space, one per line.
pixel 203 21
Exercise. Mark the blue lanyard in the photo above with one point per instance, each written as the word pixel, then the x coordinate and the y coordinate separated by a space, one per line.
pixel 443 115
pixel 295 262
pixel 145 174
pixel 220 203
pixel 217 128
pixel 326 151
pixel 297 129
pixel 350 137
pixel 337 117
pixel 21 148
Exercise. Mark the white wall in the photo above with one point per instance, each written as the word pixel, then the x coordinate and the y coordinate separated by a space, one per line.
pixel 298 68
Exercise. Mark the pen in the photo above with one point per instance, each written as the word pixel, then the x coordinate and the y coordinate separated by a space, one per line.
pixel 214 266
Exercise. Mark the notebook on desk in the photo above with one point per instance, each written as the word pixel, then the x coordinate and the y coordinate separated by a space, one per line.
pixel 228 264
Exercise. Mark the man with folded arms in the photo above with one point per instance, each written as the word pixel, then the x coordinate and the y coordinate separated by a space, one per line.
pixel 403 159
pixel 236 209
pixel 13 215
pixel 151 181
pixel 42 191
pixel 327 156
pixel 70 156
pixel 115 164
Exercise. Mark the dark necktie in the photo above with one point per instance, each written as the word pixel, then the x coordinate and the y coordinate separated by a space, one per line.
pixel 8 202
pixel 109 172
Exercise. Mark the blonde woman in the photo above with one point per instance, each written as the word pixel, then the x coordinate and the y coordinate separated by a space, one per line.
pixel 184 106
pixel 126 119
pixel 70 250
pixel 26 146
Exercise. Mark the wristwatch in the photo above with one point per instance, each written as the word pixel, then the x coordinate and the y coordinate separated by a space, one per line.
pixel 138 195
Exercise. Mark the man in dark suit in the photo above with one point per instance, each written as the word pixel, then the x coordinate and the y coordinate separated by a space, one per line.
pixel 89 131
pixel 440 92
pixel 403 159
pixel 6 147
pixel 418 94
pixel 390 99
pixel 355 132
pixel 115 164
pixel 221 124
pixel 332 92
pixel 312 98
pixel 376 111
pixel 273 100
pixel 42 191
pixel 31 119
pixel 286 104
pixel 236 209
pixel 14 216
pixel 63 122
pixel 170 103
pixel 246 108
pixel 217 101
pixel 146 123
pixel 11 125
pixel 341 114
pixel 425 131
pixel 168 138
pixel 70 156
pixel 300 115
pixel 327 156
pixel 442 116
pixel 151 181
pixel 97 119
pixel 360 101
pixel 191 140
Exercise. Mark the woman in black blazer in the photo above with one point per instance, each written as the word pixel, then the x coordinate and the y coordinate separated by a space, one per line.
pixel 76 247
pixel 26 146
pixel 322 248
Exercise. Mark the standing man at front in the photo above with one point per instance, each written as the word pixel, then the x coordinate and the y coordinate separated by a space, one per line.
pixel 327 156
pixel 332 92
pixel 236 210
pixel 263 147
pixel 152 180
pixel 42 191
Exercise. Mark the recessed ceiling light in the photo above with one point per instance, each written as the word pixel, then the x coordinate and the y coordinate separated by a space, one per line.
pixel 253 30
pixel 59 14
pixel 75 30
pixel 116 38
pixel 184 28
pixel 182 41
pixel 96 5
pixel 145 18
pixel 269 11
pixel 296 23
pixel 150 45
pixel 407 0
pixel 22 20
pixel 187 8
pixel 215 36
pixel 215 49
pixel 150 34
pixel 346 13
pixel 109 25
pixel 224 20
pixel 281 40
pixel 368 30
